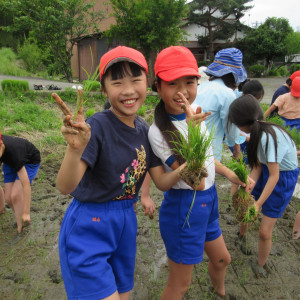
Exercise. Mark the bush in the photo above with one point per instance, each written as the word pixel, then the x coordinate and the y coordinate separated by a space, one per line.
pixel 91 85
pixel 31 55
pixel 257 70
pixel 8 65
pixel 14 85
pixel 274 72
pixel 294 68
pixel 283 71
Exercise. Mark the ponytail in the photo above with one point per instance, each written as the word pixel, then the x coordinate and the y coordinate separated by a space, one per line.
pixel 167 128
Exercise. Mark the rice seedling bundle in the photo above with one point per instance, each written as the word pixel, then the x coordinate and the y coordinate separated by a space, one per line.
pixel 242 202
pixel 194 150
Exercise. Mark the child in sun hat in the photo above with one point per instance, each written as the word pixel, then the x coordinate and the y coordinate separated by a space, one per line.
pixel 226 72
pixel 288 106
pixel 21 161
pixel 176 77
pixel 106 160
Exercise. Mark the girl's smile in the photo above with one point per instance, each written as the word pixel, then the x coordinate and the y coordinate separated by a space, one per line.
pixel 168 91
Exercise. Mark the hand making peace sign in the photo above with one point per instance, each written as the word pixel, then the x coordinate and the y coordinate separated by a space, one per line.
pixel 191 115
pixel 76 132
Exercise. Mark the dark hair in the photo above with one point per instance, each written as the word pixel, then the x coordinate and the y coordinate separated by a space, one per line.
pixel 165 125
pixel 228 80
pixel 289 81
pixel 246 111
pixel 240 86
pixel 254 88
pixel 119 70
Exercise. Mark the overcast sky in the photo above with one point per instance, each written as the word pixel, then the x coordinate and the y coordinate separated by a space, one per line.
pixel 289 9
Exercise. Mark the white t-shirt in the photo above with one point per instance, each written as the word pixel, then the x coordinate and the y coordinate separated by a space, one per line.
pixel 162 150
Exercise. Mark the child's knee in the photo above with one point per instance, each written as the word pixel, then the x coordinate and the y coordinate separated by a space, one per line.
pixel 264 234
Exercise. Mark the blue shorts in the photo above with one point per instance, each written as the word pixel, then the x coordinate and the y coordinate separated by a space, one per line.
pixel 10 174
pixel 292 123
pixel 282 194
pixel 243 150
pixel 185 243
pixel 97 247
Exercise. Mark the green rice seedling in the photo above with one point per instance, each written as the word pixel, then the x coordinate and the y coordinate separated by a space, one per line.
pixel 193 148
pixel 242 202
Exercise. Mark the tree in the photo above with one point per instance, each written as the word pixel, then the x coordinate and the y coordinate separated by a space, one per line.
pixel 213 15
pixel 268 41
pixel 148 25
pixel 293 45
pixel 55 24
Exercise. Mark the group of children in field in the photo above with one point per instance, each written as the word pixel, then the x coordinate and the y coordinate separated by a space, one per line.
pixel 109 154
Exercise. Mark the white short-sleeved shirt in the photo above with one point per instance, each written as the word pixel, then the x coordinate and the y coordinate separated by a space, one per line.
pixel 286 151
pixel 162 150
pixel 216 97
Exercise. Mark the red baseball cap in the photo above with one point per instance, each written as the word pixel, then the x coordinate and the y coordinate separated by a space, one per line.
pixel 295 74
pixel 121 53
pixel 175 62
pixel 295 88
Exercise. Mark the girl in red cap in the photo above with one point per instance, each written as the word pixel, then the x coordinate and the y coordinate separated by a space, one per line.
pixel 105 163
pixel 288 106
pixel 177 75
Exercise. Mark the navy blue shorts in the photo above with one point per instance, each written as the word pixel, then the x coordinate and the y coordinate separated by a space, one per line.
pixel 184 241
pixel 10 174
pixel 243 150
pixel 282 194
pixel 97 247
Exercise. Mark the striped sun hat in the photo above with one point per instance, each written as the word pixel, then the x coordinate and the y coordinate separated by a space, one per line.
pixel 227 61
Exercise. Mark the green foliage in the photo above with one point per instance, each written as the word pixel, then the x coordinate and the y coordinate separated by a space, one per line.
pixel 257 70
pixel 276 120
pixel 31 55
pixel 283 71
pixel 295 134
pixel 149 25
pixel 8 85
pixel 8 63
pixel 91 85
pixel 268 41
pixel 23 112
pixel 294 68
pixel 55 24
pixel 90 112
pixel 292 45
pixel 274 72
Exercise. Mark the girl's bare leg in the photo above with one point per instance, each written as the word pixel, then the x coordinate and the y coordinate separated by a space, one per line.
pixel 265 239
pixel 296 229
pixel 14 198
pixel 179 280
pixel 2 201
pixel 219 259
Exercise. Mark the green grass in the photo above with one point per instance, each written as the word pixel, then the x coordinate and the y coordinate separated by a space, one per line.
pixel 9 63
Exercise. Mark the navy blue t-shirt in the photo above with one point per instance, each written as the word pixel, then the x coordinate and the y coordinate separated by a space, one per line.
pixel 280 91
pixel 19 152
pixel 118 158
